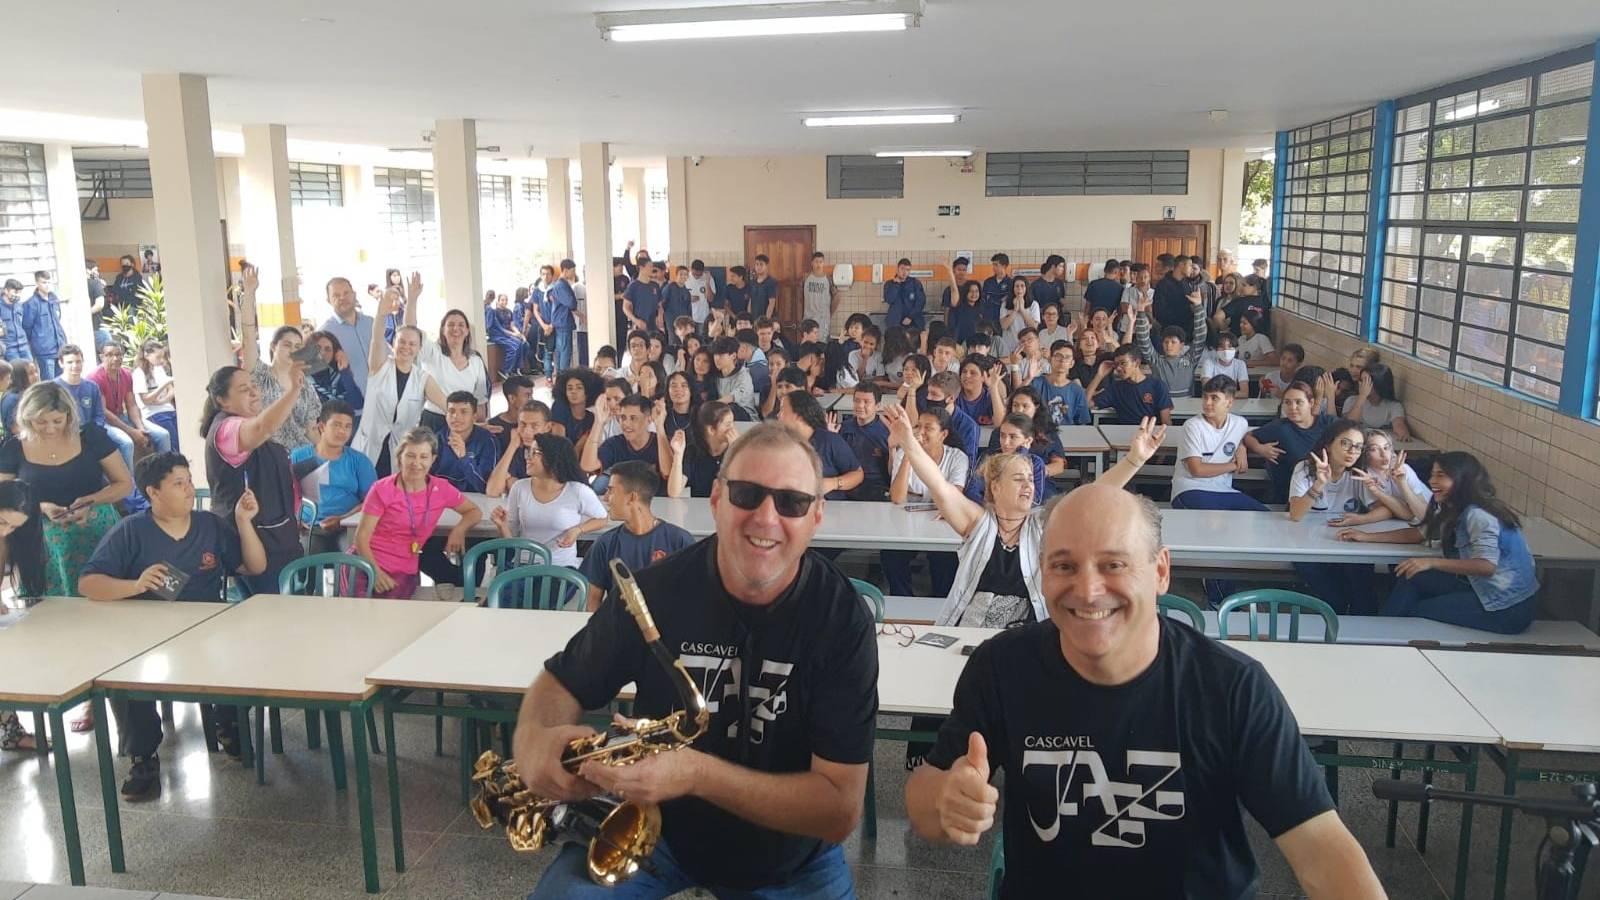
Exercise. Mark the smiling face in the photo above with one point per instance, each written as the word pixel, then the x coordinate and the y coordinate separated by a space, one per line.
pixel 458 418
pixel 415 461
pixel 337 430
pixel 1127 368
pixel 285 346
pixel 72 366
pixel 930 436
pixel 757 549
pixel 869 345
pixel 111 356
pixel 1088 345
pixel 1440 482
pixel 633 421
pixel 943 356
pixel 614 400
pixel 638 349
pixel 407 344
pixel 1011 491
pixel 971 379
pixel 617 499
pixel 678 390
pixel 455 329
pixel 1100 577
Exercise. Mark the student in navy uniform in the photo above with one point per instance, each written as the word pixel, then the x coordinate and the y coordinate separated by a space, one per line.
pixel 841 471
pixel 941 391
pixel 905 298
pixel 1110 682
pixel 1286 440
pixel 734 295
pixel 1050 288
pixel 996 288
pixel 518 390
pixel 956 291
pixel 16 320
pixel 135 560
pixel 641 540
pixel 1134 395
pixel 697 453
pixel 467 451
pixel 961 320
pixel 46 335
pixel 676 300
pixel 1106 291
pixel 869 440
pixel 635 442
pixel 763 288
pixel 641 301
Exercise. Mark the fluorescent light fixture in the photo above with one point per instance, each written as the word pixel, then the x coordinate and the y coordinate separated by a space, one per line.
pixel 885 153
pixel 761 20
pixel 883 119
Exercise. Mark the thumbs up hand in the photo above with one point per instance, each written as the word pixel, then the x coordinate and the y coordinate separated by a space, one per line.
pixel 967 802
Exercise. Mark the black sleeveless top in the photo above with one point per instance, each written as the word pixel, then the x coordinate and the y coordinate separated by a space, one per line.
pixel 265 471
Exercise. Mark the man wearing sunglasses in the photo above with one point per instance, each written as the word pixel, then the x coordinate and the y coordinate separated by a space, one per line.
pixel 784 652
pixel 1139 740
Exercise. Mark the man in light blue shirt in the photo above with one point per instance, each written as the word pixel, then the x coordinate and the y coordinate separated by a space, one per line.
pixel 351 326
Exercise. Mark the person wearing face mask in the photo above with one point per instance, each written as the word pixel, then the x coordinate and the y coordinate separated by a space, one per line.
pixel 395 391
pixel 124 290
pixel 1224 360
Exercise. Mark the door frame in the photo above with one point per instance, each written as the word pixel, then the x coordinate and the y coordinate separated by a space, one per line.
pixel 1133 234
pixel 789 329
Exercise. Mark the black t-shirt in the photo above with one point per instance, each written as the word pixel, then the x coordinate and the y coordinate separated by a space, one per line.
pixel 1133 790
pixel 209 553
pixel 783 682
pixel 64 483
pixel 1104 293
pixel 700 469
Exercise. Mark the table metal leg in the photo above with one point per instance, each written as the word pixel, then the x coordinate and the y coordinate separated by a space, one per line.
pixel 1394 806
pixel 108 787
pixel 1464 848
pixel 336 749
pixel 69 804
pixel 313 729
pixel 40 739
pixel 1503 853
pixel 261 743
pixel 1424 808
pixel 392 757
pixel 275 721
pixel 369 838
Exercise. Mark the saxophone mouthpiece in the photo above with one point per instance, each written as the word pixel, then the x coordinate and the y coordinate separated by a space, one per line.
pixel 633 598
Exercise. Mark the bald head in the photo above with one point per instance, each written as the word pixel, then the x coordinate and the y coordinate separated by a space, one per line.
pixel 1104 505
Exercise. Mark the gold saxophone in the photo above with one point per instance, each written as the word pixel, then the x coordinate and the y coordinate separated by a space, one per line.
pixel 622 834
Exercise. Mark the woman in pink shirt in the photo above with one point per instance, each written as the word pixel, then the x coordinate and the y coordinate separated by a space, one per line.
pixel 401 511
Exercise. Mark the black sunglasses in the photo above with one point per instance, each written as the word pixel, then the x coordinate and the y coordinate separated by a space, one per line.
pixel 748 495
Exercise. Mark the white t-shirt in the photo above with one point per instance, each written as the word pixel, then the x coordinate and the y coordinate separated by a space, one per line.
pixel 1006 341
pixel 1275 382
pixel 1211 366
pixel 1209 444
pixel 701 290
pixel 1048 336
pixel 158 378
pixel 1346 495
pixel 874 365
pixel 541 522
pixel 474 379
pixel 1254 347
pixel 1374 415
pixel 953 466
pixel 1388 486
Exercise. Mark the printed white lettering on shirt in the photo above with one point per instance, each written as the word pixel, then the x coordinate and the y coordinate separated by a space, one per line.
pixel 707 671
pixel 1058 742
pixel 772 698
pixel 722 650
pixel 1129 817
pixel 719 678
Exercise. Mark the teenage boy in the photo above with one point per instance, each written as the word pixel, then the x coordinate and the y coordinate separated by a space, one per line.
pixel 1176 365
pixel 1135 293
pixel 1212 452
pixel 676 299
pixel 562 304
pixel 641 302
pixel 811 332
pixel 822 296
pixel 642 540
pixel 905 298
pixel 123 419
pixel 869 438
pixel 734 385
pixel 46 335
pixel 635 441
pixel 1259 268
pixel 754 361
pixel 92 411
pixel 333 474
pixel 942 390
pixel 702 293
pixel 996 290
pixel 1134 395
pixel 763 289
pixel 957 287
pixel 1065 399
pixel 768 338
pixel 518 390
pixel 735 294
pixel 171 551
pixel 1050 288
pixel 947 356
pixel 533 419
pixel 1104 292
pixel 1290 358
pixel 467 452
pixel 16 320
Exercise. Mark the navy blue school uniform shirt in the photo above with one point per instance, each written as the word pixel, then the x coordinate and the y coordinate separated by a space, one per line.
pixel 18 319
pixel 635 550
pixel 562 302
pixel 837 458
pixel 966 432
pixel 995 293
pixel 646 298
pixel 1104 293
pixel 47 335
pixel 615 449
pixel 870 443
pixel 905 300
pixel 209 553
pixel 961 321
pixel 981 410
pixel 1171 306
pixel 1046 293
pixel 1133 402
pixel 1295 442
pixel 91 406
pixel 470 473
pixel 763 296
pixel 733 298
pixel 675 302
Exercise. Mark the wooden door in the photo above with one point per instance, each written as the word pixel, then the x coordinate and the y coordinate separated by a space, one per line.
pixel 788 249
pixel 1186 238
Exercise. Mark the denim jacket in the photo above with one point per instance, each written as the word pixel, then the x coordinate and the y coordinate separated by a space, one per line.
pixel 1479 535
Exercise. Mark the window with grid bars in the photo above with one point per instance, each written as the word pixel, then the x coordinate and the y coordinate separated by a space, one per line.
pixel 494 203
pixel 406 209
pixel 26 243
pixel 534 190
pixel 866 177
pixel 1076 173
pixel 1325 220
pixel 119 179
pixel 1483 220
pixel 315 184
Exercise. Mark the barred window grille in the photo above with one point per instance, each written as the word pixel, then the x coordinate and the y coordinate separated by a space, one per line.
pixel 315 184
pixel 117 179
pixel 406 209
pixel 494 202
pixel 1078 173
pixel 26 242
pixel 1325 221
pixel 866 177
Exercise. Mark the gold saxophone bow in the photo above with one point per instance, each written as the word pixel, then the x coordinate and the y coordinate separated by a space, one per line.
pixel 621 834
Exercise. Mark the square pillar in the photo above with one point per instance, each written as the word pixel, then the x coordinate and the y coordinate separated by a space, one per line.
pixel 594 168
pixel 1230 209
pixel 558 200
pixel 267 226
pixel 634 197
pixel 678 208
pixel 455 180
pixel 183 177
pixel 66 232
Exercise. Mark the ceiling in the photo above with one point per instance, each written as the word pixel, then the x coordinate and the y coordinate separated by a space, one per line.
pixel 1026 74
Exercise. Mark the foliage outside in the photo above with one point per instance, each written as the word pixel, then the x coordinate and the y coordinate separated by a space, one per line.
pixel 1255 221
pixel 131 328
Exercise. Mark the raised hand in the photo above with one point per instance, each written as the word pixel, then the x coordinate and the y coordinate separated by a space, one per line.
pixel 658 413
pixel 1146 441
pixel 414 287
pixel 833 421
pixel 1397 469
pixel 679 441
pixel 967 802
pixel 250 279
pixel 1196 298
pixel 899 424
pixel 246 508
pixel 1364 386
pixel 1324 472
pixel 458 445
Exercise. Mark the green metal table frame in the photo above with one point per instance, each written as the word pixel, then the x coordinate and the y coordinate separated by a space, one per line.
pixel 57 756
pixel 1509 761
pixel 357 709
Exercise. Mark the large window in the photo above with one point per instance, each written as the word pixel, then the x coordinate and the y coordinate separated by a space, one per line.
pixel 1325 221
pixel 1076 173
pixel 533 191
pixel 315 184
pixel 405 205
pixel 494 203
pixel 866 177
pixel 1483 220
pixel 118 179
pixel 26 245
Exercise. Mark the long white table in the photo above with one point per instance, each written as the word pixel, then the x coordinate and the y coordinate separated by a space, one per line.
pixel 52 653
pixel 1254 409
pixel 312 652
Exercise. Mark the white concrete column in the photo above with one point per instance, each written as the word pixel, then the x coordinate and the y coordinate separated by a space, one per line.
pixel 1231 207
pixel 633 222
pixel 455 180
pixel 594 162
pixel 266 225
pixel 678 208
pixel 183 176
pixel 558 200
pixel 66 231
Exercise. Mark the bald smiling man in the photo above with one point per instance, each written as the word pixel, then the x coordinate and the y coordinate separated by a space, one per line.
pixel 1130 741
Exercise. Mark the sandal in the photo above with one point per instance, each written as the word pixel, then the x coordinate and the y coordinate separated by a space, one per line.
pixel 84 723
pixel 13 737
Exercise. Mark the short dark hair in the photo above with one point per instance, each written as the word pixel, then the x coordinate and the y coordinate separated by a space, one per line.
pixel 331 408
pixel 1295 350
pixel 740 271
pixel 639 402
pixel 807 325
pixel 568 264
pixel 154 469
pixel 1000 258
pixel 762 258
pixel 639 333
pixel 620 384
pixel 70 350
pixel 1199 261
pixel 868 387
pixel 1166 259
pixel 637 477
pixel 819 255
pixel 1175 331
pixel 515 383
pixel 698 265
pixel 1128 351
pixel 466 397
pixel 1113 264
pixel 535 406
pixel 1260 261
pixel 41 273
pixel 791 375
pixel 13 285
pixel 961 261
pixel 766 322
pixel 1220 384
pixel 904 261
pixel 724 346
pixel 746 336
pixel 605 350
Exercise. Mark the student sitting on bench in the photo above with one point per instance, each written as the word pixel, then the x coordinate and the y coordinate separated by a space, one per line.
pixel 1134 395
pixel 1212 452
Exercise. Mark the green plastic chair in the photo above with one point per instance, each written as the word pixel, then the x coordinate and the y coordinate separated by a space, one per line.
pixel 1274 599
pixel 874 597
pixel 507 553
pixel 538 587
pixel 997 864
pixel 202 498
pixel 304 576
pixel 1172 603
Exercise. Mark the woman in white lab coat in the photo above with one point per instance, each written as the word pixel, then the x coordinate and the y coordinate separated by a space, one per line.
pixel 397 386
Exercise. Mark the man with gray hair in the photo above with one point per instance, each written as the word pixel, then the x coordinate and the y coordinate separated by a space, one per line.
pixel 351 326
pixel 1136 743
pixel 784 652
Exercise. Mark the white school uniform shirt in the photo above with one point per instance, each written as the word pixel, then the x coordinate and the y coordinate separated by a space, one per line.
pixel 1048 336
pixel 474 379
pixel 386 415
pixel 544 522
pixel 1254 347
pixel 1209 444
pixel 874 365
pixel 141 386
pixel 1211 366
pixel 1346 495
pixel 953 465
pixel 701 290
pixel 1276 381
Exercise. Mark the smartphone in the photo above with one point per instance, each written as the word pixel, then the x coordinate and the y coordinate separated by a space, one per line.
pixel 311 355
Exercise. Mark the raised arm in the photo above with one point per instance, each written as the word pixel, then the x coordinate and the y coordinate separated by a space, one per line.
pixel 1146 441
pixel 249 330
pixel 378 348
pixel 1197 344
pixel 677 481
pixel 258 429
pixel 961 513
pixel 413 292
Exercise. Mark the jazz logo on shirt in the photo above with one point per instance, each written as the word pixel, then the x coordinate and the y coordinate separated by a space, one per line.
pixel 717 669
pixel 1068 781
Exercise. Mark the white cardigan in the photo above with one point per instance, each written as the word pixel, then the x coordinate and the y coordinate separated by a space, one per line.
pixel 386 415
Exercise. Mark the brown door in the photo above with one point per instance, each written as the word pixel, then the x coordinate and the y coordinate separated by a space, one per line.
pixel 1151 239
pixel 788 249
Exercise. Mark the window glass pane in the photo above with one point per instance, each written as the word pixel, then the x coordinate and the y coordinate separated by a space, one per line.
pixel 1503 97
pixel 1448 207
pixel 1358 182
pixel 1445 245
pixel 1566 84
pixel 1502 134
pixel 1543 324
pixel 1401 268
pixel 1403 240
pixel 1401 295
pixel 1412 118
pixel 1452 141
pixel 1546 288
pixel 1558 165
pixel 1561 123
pixel 1549 251
pixel 1440 274
pixel 1397 320
pixel 1435 331
pixel 1538 359
pixel 1411 147
pixel 1455 109
pixel 1487 280
pixel 1437 302
pixel 1558 205
pixel 1479 369
pixel 1496 206
pixel 1453 174
pixel 1484 345
pixel 1436 355
pixel 1408 179
pixel 1493 171
pixel 1496 248
pixel 1533 386
pixel 1494 314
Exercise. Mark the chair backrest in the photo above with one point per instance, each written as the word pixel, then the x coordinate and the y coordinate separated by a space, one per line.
pixel 202 498
pixel 328 575
pixel 1270 601
pixel 507 553
pixel 538 587
pixel 308 510
pixel 874 597
pixel 1168 604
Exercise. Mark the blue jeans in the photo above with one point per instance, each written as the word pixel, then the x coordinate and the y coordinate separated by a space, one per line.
pixel 1347 587
pixel 49 367
pixel 160 440
pixel 168 421
pixel 1231 500
pixel 824 878
pixel 1443 597
pixel 563 351
pixel 547 353
pixel 897 571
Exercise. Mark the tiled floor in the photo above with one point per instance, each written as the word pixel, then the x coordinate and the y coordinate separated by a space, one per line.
pixel 215 832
